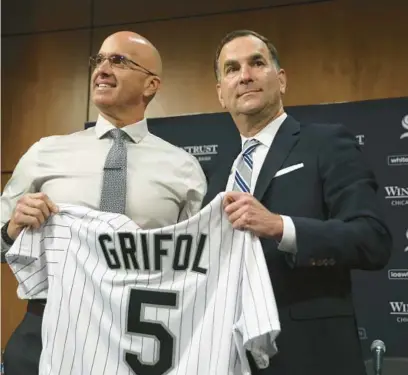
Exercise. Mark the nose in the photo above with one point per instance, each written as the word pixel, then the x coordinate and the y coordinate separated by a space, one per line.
pixel 245 74
pixel 104 68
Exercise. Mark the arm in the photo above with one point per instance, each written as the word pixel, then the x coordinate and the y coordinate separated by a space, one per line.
pixel 197 188
pixel 355 235
pixel 21 206
pixel 20 183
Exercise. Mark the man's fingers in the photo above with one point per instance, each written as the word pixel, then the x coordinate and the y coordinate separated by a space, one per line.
pixel 237 214
pixel 51 205
pixel 28 216
pixel 227 200
pixel 244 200
pixel 39 204
pixel 42 197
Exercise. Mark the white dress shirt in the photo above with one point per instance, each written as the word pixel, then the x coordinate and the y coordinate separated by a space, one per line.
pixel 165 184
pixel 266 137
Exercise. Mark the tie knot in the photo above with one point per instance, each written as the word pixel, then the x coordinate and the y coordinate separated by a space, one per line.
pixel 250 145
pixel 117 134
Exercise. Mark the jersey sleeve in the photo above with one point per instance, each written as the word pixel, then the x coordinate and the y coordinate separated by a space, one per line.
pixel 36 254
pixel 258 323
pixel 27 260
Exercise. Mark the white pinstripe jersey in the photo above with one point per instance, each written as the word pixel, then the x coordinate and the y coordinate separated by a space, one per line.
pixel 185 299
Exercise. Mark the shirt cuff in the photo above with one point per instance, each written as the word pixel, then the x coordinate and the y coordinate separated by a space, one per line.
pixel 288 241
pixel 4 248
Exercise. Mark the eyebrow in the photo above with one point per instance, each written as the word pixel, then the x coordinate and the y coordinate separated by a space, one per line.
pixel 253 57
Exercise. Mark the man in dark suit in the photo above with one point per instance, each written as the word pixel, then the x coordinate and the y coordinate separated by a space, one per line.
pixel 306 192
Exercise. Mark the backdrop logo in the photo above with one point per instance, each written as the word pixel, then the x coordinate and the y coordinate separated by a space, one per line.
pixel 362 333
pixel 397 160
pixel 395 274
pixel 398 196
pixel 404 123
pixel 406 235
pixel 202 152
pixel 360 139
pixel 400 310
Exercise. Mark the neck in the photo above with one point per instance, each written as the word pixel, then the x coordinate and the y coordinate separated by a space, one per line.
pixel 122 119
pixel 249 126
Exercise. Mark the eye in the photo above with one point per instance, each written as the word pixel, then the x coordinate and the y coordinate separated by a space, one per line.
pixel 98 59
pixel 230 69
pixel 118 60
pixel 259 63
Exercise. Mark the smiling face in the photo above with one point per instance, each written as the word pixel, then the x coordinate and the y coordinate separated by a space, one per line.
pixel 249 82
pixel 124 89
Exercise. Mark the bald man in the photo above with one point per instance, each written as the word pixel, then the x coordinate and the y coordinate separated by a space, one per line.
pixel 70 169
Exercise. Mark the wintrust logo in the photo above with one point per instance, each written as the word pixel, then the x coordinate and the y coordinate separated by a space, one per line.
pixel 202 152
pixel 399 309
pixel 360 139
pixel 397 196
pixel 404 123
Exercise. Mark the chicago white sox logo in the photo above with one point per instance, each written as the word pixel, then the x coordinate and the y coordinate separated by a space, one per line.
pixel 404 124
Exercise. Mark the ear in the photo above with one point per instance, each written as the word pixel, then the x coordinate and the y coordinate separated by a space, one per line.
pixel 282 81
pixel 221 100
pixel 152 85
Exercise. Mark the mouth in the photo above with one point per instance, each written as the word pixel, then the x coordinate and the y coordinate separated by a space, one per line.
pixel 248 92
pixel 104 86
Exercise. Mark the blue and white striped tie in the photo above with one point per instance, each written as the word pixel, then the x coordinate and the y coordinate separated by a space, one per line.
pixel 243 173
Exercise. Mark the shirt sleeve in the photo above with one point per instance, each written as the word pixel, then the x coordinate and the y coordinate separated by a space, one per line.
pixel 258 324
pixel 20 183
pixel 27 259
pixel 197 188
pixel 288 241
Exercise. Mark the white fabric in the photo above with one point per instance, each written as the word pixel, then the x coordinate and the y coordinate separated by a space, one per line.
pixel 88 263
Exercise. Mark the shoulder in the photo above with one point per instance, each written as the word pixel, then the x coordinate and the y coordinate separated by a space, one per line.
pixel 54 140
pixel 177 154
pixel 325 134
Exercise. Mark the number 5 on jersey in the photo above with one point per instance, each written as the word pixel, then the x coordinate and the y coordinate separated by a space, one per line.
pixel 138 299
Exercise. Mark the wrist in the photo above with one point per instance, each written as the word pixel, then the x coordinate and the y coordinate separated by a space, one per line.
pixel 277 228
pixel 5 234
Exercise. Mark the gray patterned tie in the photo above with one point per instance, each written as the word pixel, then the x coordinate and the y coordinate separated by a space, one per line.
pixel 113 195
pixel 243 173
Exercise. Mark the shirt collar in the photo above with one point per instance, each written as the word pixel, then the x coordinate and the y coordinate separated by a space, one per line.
pixel 267 134
pixel 136 131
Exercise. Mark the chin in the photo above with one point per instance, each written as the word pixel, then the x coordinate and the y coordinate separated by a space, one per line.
pixel 250 110
pixel 102 101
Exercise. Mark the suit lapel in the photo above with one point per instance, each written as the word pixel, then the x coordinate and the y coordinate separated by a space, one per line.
pixel 283 143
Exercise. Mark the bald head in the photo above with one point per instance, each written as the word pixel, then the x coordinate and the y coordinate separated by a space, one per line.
pixel 137 47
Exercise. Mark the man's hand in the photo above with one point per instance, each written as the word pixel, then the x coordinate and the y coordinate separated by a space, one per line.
pixel 246 213
pixel 31 211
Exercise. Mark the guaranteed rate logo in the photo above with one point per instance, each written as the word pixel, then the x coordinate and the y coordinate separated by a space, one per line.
pixel 396 195
pixel 362 333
